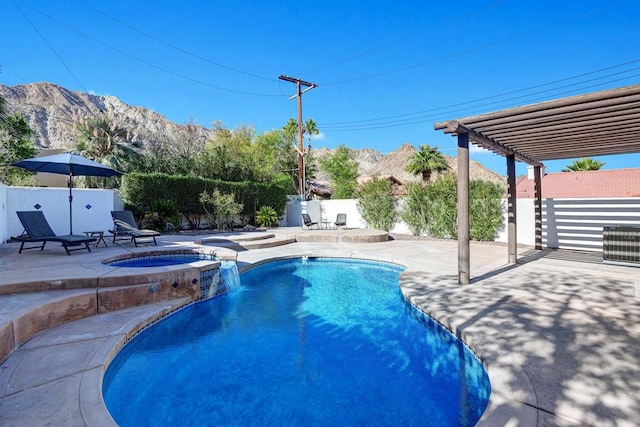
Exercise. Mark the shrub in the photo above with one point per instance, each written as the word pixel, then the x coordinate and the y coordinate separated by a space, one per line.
pixel 414 210
pixel 220 208
pixel 433 209
pixel 164 215
pixel 486 216
pixel 441 208
pixel 377 204
pixel 266 216
pixel 139 192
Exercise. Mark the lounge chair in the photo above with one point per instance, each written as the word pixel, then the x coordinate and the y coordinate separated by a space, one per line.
pixel 306 218
pixel 37 229
pixel 341 220
pixel 125 226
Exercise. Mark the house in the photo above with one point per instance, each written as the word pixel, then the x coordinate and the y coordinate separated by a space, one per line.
pixel 582 185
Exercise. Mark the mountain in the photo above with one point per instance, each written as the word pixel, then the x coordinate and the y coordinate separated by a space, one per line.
pixel 53 113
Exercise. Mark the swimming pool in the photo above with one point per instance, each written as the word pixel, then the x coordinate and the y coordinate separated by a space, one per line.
pixel 301 342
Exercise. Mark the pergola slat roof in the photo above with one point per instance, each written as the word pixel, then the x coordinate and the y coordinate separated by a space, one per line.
pixel 595 124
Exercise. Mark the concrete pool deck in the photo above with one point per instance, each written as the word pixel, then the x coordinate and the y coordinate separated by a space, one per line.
pixel 559 332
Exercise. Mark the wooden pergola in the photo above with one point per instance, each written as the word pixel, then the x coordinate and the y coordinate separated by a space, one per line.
pixel 594 124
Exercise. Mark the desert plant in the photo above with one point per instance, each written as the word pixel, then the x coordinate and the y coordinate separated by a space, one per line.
pixel 166 214
pixel 220 208
pixel 266 216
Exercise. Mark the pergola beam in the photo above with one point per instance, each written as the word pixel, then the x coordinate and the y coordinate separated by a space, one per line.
pixel 458 128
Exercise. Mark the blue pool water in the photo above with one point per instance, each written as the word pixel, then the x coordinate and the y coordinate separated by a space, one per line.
pixel 160 260
pixel 314 342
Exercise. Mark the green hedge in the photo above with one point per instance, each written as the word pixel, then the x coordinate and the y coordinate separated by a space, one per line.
pixel 139 192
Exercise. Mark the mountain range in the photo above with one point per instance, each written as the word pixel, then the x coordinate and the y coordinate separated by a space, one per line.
pixel 53 111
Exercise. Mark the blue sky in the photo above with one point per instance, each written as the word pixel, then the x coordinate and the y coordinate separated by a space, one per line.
pixel 386 70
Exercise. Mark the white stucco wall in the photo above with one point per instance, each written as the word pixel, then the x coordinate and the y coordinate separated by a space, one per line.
pixel 3 212
pixel 526 227
pixel 91 208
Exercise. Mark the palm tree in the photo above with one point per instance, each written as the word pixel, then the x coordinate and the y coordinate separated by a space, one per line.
pixel 426 161
pixel 310 128
pixel 105 141
pixel 584 164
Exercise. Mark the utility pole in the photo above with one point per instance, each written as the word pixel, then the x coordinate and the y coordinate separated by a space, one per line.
pixel 299 83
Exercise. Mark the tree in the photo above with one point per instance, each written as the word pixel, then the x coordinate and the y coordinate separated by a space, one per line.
pixel 426 161
pixel 584 164
pixel 106 141
pixel 16 143
pixel 176 151
pixel 227 155
pixel 310 128
pixel 273 158
pixel 343 172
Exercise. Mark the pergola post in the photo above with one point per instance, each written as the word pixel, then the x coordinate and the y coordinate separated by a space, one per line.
pixel 512 229
pixel 464 263
pixel 537 206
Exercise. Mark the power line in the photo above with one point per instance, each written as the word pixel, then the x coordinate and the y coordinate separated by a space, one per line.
pixel 50 46
pixel 437 112
pixel 498 95
pixel 475 49
pixel 150 64
pixel 400 41
pixel 172 46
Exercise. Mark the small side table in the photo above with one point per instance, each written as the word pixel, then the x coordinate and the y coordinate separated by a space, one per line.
pixel 99 235
pixel 327 225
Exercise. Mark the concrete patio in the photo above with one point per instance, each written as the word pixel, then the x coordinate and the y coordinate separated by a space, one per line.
pixel 559 332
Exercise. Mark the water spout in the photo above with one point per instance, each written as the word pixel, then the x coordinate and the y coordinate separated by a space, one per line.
pixel 229 276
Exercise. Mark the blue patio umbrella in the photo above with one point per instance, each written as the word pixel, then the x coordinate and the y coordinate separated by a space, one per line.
pixel 67 164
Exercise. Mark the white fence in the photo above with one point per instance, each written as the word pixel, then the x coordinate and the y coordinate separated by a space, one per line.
pixel 91 208
pixel 566 223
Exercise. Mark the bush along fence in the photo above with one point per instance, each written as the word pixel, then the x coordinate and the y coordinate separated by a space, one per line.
pixel 140 193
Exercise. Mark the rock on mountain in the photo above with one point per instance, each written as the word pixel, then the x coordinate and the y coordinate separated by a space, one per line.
pixel 53 113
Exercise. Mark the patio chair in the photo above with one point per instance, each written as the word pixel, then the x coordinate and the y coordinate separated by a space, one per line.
pixel 125 227
pixel 341 220
pixel 306 218
pixel 37 229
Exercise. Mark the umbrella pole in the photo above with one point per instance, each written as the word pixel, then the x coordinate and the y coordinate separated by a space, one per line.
pixel 70 203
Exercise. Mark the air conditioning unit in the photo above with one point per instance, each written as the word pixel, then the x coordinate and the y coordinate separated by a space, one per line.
pixel 621 245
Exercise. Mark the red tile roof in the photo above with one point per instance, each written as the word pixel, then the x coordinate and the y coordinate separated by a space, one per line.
pixel 587 184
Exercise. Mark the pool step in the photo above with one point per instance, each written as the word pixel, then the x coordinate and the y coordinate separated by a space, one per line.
pixel 247 241
pixel 25 315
